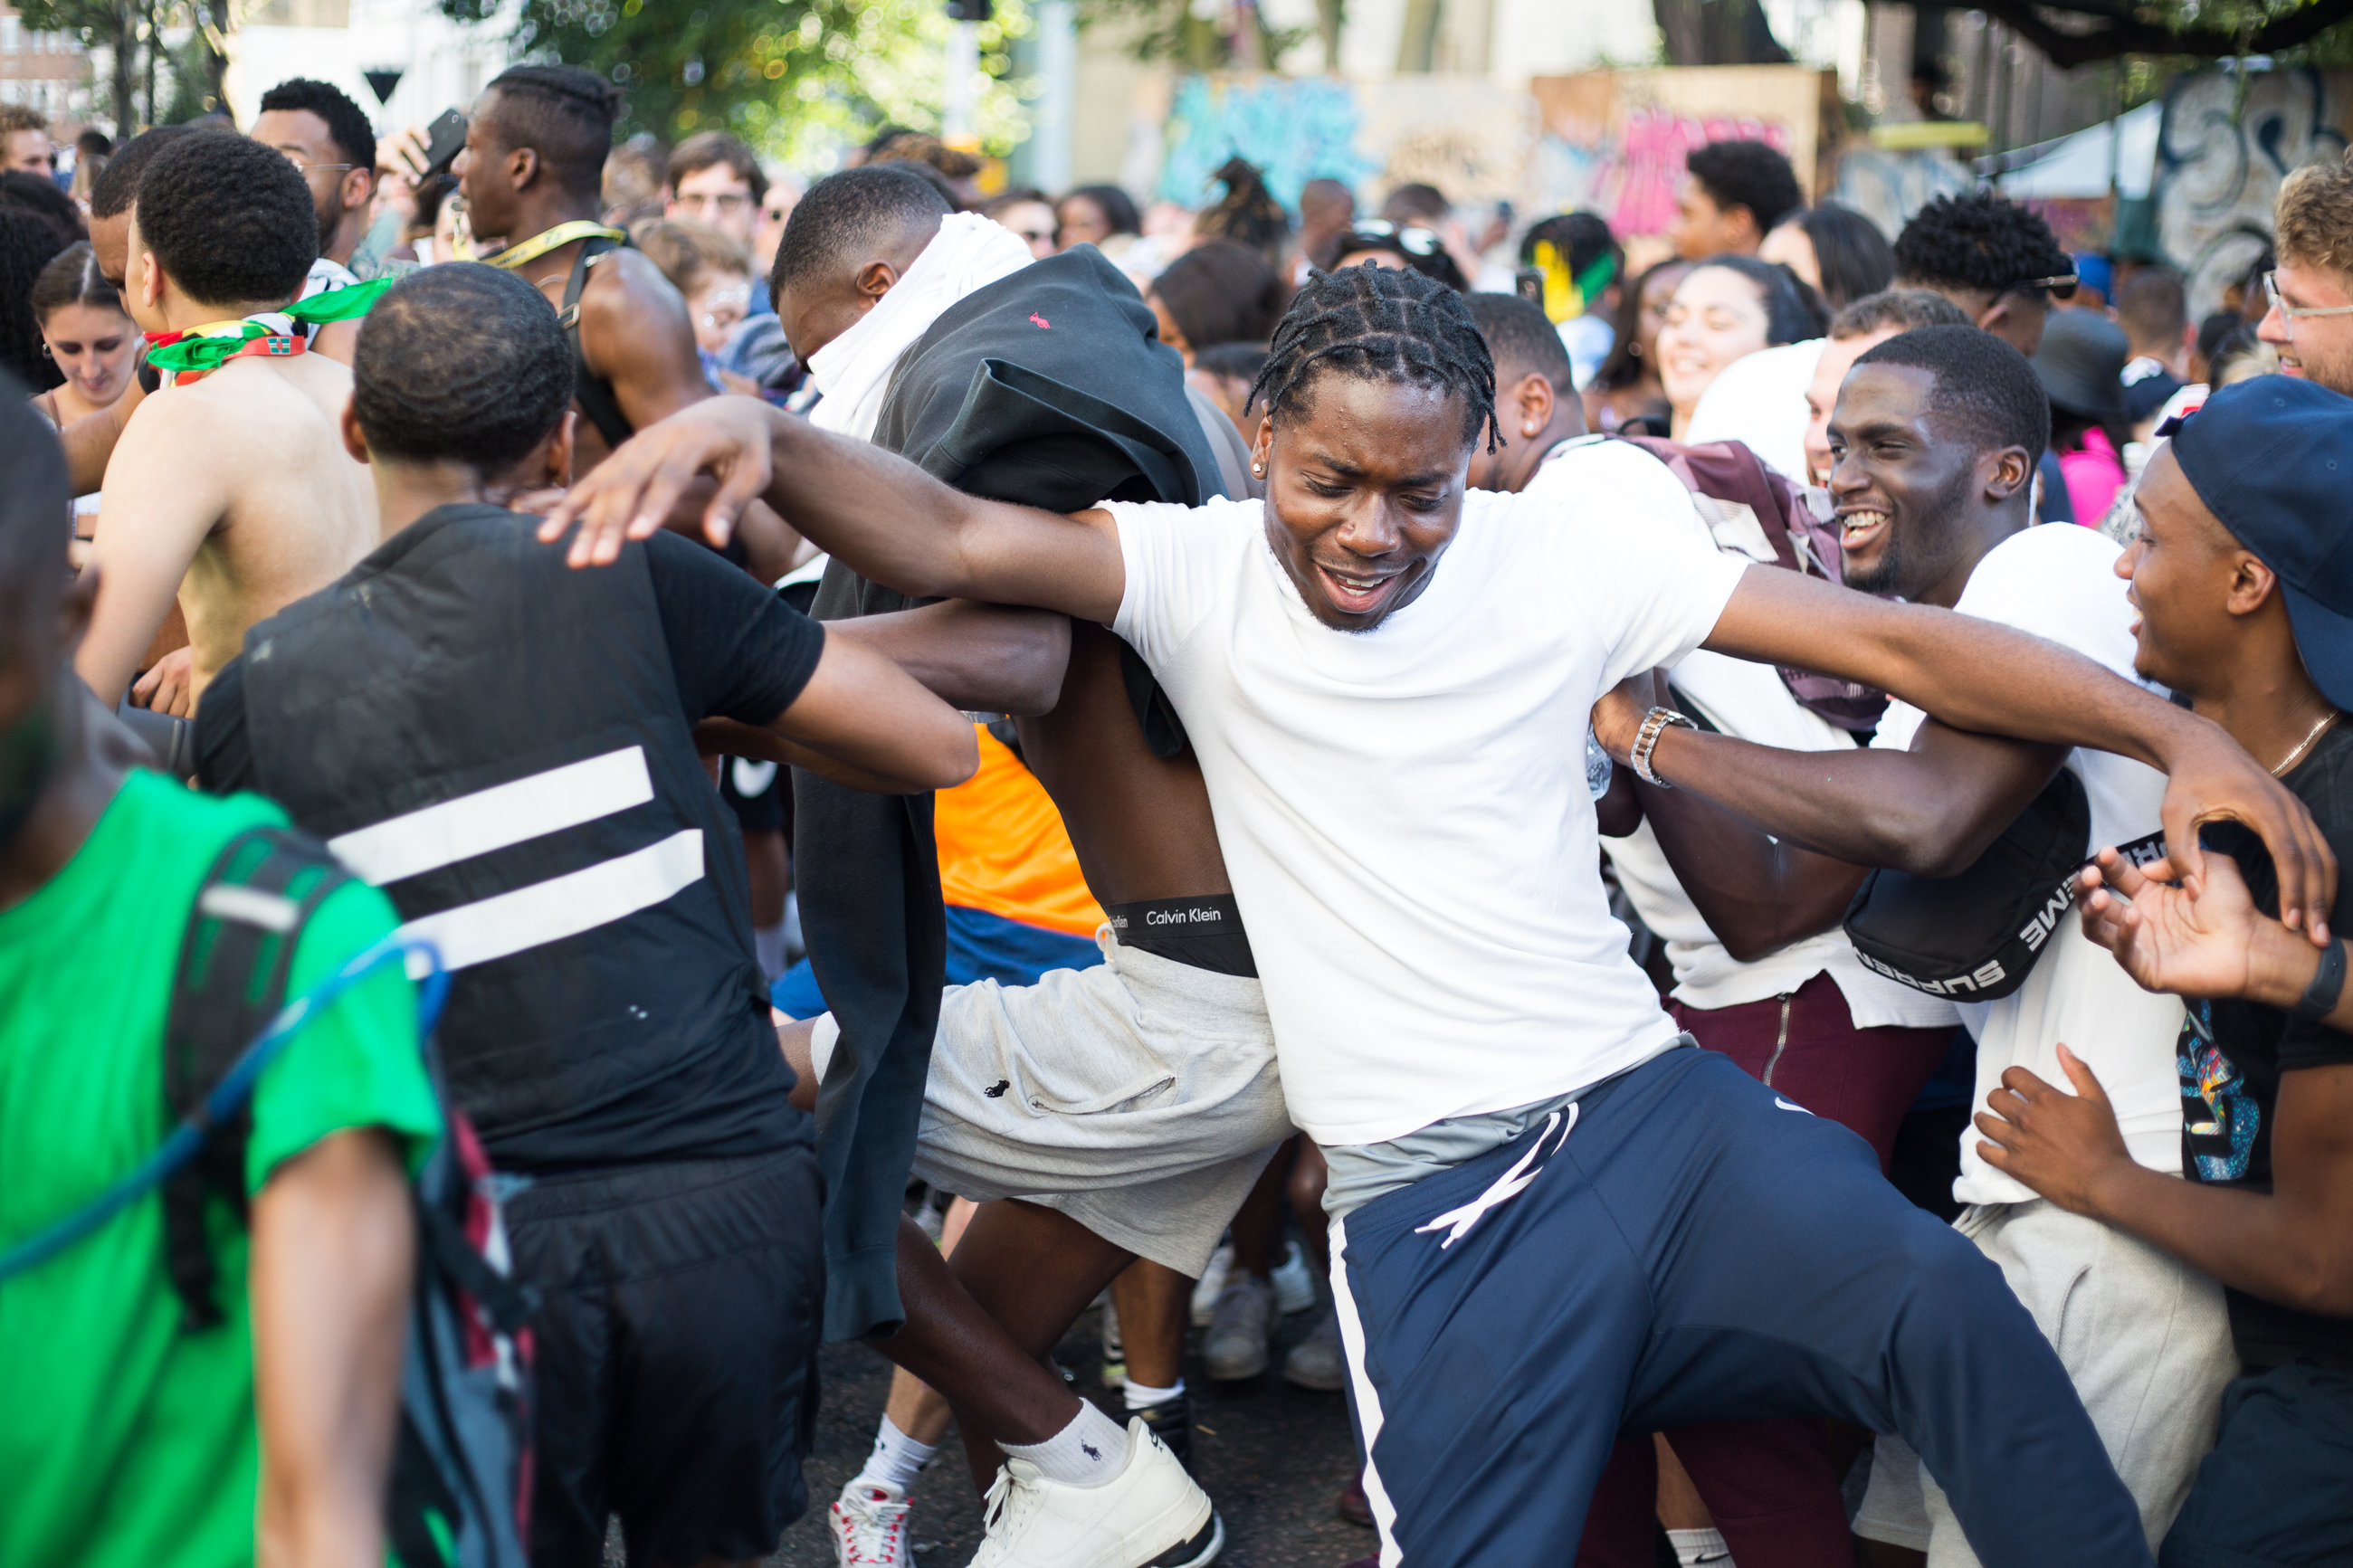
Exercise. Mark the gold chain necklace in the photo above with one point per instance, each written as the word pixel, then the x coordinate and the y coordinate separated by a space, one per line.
pixel 2306 744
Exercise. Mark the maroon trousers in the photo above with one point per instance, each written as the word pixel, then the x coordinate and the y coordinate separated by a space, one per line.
pixel 1770 1485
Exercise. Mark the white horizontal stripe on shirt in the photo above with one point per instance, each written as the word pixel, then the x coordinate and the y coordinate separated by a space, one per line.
pixel 563 906
pixel 494 818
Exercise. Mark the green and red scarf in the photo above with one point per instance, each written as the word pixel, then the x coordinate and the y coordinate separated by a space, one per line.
pixel 208 348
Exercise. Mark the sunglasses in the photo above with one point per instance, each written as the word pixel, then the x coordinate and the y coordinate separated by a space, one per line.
pixel 1378 234
pixel 2059 287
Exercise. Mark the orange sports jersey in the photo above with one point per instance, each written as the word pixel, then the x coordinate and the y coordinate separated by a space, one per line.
pixel 1003 848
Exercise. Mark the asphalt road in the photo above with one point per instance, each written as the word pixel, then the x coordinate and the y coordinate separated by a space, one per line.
pixel 1273 1458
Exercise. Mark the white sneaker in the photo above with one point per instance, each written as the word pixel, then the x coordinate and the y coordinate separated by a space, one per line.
pixel 1212 1283
pixel 868 1524
pixel 1294 1283
pixel 1151 1515
pixel 1235 1347
pixel 1316 1361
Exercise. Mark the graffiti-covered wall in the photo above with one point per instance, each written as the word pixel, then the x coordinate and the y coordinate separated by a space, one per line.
pixel 2219 164
pixel 1612 142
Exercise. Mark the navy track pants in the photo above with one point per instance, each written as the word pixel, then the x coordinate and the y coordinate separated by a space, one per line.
pixel 1687 1246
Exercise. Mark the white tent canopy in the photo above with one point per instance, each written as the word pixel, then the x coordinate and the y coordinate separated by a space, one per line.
pixel 2079 165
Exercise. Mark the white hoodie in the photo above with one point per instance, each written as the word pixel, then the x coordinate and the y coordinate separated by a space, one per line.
pixel 969 253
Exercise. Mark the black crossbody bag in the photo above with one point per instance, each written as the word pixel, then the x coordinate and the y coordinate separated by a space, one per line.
pixel 1976 936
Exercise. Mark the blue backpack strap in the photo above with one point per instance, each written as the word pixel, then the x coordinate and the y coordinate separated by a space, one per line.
pixel 235 955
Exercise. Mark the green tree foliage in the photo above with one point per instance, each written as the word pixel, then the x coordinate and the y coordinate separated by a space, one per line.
pixel 123 27
pixel 1211 38
pixel 791 77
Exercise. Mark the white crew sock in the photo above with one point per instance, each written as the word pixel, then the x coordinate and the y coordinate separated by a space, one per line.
pixel 769 943
pixel 1140 1395
pixel 1693 1547
pixel 1090 1452
pixel 895 1459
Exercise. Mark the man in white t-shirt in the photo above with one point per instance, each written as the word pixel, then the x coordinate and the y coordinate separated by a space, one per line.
pixel 1549 1221
pixel 1935 434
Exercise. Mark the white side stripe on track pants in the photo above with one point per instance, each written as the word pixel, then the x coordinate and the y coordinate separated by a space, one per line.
pixel 1368 1399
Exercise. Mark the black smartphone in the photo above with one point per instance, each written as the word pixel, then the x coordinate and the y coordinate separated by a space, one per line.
pixel 1528 283
pixel 444 140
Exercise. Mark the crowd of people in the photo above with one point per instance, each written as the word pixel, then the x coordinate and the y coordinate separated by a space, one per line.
pixel 1715 858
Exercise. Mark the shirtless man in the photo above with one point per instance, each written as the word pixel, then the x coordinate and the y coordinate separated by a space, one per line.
pixel 535 157
pixel 89 442
pixel 232 492
pixel 1082 1190
pixel 532 174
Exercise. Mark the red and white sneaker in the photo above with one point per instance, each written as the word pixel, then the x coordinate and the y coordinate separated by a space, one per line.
pixel 869 1522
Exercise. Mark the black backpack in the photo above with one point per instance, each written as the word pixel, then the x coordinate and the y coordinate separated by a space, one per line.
pixel 459 1495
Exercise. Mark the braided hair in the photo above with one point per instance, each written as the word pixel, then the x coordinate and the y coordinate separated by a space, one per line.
pixel 1248 212
pixel 1380 323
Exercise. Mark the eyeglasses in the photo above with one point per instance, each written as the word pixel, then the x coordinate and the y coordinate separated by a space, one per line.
pixel 2059 286
pixel 295 158
pixel 2292 312
pixel 730 203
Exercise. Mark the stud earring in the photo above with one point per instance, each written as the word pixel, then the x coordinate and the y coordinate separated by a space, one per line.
pixel 1529 431
pixel 1259 468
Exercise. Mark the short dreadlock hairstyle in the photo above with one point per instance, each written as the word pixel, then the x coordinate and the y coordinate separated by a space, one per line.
pixel 1980 243
pixel 564 114
pixel 1380 323
pixel 462 363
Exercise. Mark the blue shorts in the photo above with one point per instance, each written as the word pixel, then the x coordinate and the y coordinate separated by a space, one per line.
pixel 1685 1246
pixel 981 946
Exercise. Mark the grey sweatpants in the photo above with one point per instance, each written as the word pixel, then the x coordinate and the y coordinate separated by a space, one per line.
pixel 1139 1097
pixel 2144 1339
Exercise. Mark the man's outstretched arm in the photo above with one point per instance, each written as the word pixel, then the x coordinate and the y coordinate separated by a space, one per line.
pixel 1815 821
pixel 1977 676
pixel 971 657
pixel 885 518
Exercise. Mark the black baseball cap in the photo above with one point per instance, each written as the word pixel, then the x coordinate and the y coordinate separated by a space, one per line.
pixel 2273 460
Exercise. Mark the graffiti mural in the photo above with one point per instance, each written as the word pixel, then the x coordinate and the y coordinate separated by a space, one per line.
pixel 2219 164
pixel 1615 142
pixel 1294 130
pixel 1643 177
pixel 1888 187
